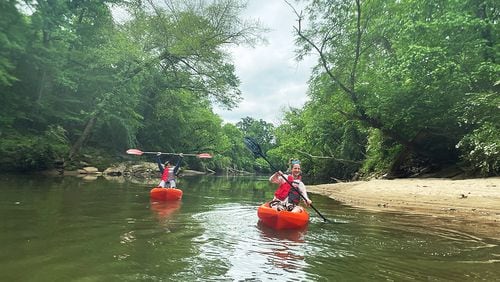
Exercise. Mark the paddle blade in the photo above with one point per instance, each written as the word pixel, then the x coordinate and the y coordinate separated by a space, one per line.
pixel 204 156
pixel 135 152
pixel 253 146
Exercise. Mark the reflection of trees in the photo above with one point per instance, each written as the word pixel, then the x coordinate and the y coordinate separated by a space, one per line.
pixel 118 179
pixel 259 186
pixel 136 180
pixel 239 186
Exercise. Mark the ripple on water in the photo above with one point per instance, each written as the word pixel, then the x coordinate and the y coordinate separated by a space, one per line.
pixel 242 249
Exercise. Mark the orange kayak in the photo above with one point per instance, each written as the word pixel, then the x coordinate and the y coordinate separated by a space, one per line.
pixel 282 219
pixel 165 194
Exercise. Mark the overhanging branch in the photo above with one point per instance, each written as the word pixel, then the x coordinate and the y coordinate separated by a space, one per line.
pixel 328 157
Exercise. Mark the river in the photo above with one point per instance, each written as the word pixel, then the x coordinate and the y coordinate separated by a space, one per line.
pixel 72 229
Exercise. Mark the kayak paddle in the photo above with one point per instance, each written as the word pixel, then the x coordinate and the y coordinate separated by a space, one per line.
pixel 257 151
pixel 138 152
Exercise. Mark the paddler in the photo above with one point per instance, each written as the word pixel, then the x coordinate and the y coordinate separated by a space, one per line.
pixel 286 197
pixel 168 173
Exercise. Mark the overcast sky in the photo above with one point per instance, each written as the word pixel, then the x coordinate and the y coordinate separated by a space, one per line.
pixel 271 79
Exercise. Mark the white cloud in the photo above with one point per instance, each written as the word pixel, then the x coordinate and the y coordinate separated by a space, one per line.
pixel 271 79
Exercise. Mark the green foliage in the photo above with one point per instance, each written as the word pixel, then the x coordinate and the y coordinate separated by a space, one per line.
pixel 31 152
pixel 328 145
pixel 263 133
pixel 149 82
pixel 260 130
pixel 402 68
pixel 482 150
pixel 189 39
pixel 379 154
pixel 406 75
pixel 12 37
pixel 261 166
pixel 480 147
pixel 233 149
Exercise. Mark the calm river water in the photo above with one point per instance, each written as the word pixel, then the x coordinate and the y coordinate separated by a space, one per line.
pixel 70 229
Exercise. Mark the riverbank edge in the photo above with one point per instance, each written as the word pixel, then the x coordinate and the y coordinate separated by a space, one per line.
pixel 473 204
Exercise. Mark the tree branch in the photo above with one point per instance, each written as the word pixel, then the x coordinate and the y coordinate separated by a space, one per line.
pixel 328 157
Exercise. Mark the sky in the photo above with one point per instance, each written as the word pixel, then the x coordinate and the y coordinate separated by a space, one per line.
pixel 271 79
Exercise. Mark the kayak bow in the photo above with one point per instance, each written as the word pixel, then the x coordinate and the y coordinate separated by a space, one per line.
pixel 165 194
pixel 282 219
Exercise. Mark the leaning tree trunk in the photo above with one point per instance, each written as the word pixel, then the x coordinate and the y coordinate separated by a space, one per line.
pixel 85 135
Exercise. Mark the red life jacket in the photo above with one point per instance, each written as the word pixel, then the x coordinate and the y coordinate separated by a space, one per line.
pixel 164 176
pixel 285 188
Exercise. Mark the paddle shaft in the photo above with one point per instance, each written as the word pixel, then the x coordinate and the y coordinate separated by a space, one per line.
pixel 302 196
pixel 174 154
pixel 138 152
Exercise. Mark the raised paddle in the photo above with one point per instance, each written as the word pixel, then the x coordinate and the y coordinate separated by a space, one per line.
pixel 257 151
pixel 138 152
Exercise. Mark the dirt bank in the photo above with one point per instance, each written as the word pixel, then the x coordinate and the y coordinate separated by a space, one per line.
pixel 471 202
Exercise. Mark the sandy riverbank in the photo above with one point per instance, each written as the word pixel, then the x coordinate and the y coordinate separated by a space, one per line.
pixel 471 202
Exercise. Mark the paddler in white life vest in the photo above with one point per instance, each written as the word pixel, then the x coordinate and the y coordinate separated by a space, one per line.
pixel 168 173
pixel 286 198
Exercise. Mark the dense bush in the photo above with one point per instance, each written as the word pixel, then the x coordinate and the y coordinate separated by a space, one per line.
pixel 27 153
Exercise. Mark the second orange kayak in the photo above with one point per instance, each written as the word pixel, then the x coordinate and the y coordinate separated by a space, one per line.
pixel 282 219
pixel 165 194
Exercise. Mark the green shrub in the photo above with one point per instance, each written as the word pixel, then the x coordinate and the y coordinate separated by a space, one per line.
pixel 33 153
pixel 379 154
pixel 481 150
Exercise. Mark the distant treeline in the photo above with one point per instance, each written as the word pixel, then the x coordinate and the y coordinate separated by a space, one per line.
pixel 401 87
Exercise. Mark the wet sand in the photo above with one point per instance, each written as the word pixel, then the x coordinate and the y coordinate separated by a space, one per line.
pixel 471 204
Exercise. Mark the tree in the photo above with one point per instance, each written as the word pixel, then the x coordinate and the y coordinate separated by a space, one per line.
pixel 238 156
pixel 184 44
pixel 401 67
pixel 260 130
pixel 73 72
pixel 12 37
pixel 328 145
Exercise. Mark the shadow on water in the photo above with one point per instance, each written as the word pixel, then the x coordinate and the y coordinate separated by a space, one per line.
pixel 59 229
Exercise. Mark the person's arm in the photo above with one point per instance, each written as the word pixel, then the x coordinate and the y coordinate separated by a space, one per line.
pixel 178 164
pixel 158 161
pixel 277 178
pixel 303 191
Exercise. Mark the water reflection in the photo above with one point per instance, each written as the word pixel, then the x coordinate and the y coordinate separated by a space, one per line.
pixel 165 209
pixel 240 249
pixel 269 234
pixel 213 234
pixel 281 246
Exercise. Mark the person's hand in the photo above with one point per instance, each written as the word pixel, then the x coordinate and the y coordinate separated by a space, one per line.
pixel 309 202
pixel 181 155
pixel 158 154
